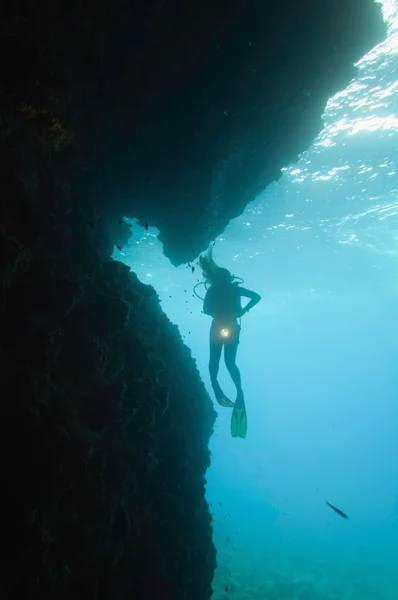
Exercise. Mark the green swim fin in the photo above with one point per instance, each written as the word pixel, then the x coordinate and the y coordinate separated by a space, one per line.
pixel 239 422
pixel 224 401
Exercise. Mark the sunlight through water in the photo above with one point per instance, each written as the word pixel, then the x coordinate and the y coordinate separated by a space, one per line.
pixel 341 171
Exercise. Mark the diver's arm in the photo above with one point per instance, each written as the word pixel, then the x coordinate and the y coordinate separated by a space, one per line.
pixel 254 299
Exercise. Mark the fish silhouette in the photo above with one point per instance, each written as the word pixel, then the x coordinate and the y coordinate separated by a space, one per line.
pixel 337 510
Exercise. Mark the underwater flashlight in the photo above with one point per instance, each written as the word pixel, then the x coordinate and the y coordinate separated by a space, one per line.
pixel 224 333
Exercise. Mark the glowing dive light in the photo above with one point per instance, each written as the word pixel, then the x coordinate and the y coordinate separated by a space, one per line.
pixel 224 333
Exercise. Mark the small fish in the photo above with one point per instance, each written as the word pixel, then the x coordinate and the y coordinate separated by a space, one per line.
pixel 146 225
pixel 192 269
pixel 120 222
pixel 119 247
pixel 339 512
pixel 91 224
pixel 226 588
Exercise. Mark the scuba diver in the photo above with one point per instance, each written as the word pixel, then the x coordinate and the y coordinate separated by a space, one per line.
pixel 223 303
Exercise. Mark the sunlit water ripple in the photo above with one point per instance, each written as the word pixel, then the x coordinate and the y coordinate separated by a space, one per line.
pixel 345 186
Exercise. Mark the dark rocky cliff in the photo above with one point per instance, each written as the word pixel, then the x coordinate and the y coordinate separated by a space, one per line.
pixel 177 113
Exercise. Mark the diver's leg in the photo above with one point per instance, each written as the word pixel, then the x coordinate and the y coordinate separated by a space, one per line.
pixel 214 363
pixel 230 351
pixel 239 417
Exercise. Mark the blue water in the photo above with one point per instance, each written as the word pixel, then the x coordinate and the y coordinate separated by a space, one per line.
pixel 318 358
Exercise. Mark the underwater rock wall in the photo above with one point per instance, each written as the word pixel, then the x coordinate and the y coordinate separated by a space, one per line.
pixel 106 422
pixel 106 426
pixel 177 113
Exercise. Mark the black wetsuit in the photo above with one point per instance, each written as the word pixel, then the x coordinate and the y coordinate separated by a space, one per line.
pixel 223 303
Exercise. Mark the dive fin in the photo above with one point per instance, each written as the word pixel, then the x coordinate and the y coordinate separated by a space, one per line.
pixel 221 397
pixel 239 422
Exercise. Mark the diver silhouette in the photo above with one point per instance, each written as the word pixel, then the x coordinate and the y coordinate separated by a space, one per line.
pixel 223 303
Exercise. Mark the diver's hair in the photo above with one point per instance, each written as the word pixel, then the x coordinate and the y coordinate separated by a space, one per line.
pixel 211 271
